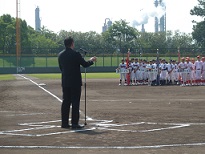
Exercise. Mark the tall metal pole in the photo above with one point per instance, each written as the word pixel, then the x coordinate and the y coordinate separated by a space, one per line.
pixel 119 36
pixel 18 42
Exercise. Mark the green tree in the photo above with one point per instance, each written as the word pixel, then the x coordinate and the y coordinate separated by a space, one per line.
pixel 48 34
pixel 199 34
pixel 91 41
pixel 199 29
pixel 179 39
pixel 42 45
pixel 121 36
pixel 199 10
pixel 7 34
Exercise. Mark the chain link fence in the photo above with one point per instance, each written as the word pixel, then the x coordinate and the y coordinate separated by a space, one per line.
pixel 105 59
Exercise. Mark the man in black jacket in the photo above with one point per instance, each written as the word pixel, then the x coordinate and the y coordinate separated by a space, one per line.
pixel 69 63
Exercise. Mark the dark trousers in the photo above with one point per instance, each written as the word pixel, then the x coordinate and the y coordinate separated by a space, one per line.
pixel 71 96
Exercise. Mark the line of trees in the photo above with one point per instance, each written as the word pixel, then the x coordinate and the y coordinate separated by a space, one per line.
pixel 118 38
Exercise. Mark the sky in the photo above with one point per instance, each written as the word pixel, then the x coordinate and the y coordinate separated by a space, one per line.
pixel 90 15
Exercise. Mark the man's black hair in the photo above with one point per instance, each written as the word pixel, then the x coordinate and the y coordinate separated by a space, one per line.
pixel 68 41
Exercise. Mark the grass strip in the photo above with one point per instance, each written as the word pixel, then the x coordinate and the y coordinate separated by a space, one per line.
pixel 88 76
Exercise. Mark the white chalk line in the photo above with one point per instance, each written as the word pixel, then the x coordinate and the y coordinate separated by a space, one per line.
pixel 41 87
pixel 56 97
pixel 47 134
pixel 26 114
pixel 103 147
pixel 144 99
pixel 40 126
pixel 95 124
pixel 100 125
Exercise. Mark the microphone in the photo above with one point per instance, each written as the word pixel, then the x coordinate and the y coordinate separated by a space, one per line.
pixel 83 50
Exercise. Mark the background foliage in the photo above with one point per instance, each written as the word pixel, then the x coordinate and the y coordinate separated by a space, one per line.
pixel 116 40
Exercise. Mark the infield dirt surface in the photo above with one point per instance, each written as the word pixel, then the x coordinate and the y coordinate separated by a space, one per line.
pixel 120 119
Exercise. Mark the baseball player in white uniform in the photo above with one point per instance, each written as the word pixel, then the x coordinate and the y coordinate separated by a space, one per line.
pixel 188 71
pixel 193 75
pixel 132 74
pixel 163 70
pixel 144 73
pixel 155 66
pixel 182 66
pixel 152 71
pixel 170 69
pixel 198 68
pixel 203 71
pixel 175 73
pixel 141 71
pixel 122 70
pixel 135 75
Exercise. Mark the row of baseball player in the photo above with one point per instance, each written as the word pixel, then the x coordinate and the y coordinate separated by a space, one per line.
pixel 186 72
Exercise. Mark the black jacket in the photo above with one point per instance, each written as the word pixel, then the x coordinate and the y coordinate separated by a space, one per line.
pixel 69 63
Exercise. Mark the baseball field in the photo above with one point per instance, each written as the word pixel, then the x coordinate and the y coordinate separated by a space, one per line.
pixel 120 119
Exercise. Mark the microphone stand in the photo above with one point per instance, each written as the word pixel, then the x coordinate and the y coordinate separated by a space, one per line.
pixel 85 89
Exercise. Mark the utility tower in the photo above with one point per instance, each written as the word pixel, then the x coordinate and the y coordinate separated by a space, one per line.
pixel 106 25
pixel 160 23
pixel 37 19
pixel 156 25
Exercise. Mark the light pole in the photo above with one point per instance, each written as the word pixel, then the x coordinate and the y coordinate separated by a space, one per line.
pixel 120 36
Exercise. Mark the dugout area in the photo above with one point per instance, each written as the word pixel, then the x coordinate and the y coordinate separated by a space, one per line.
pixel 121 119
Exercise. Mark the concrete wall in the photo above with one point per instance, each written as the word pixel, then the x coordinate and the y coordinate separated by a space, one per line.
pixel 30 70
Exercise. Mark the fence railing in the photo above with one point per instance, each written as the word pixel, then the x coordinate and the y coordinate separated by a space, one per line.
pixel 103 59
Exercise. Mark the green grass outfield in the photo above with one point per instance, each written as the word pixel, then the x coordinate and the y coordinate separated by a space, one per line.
pixel 88 76
pixel 7 77
pixel 53 61
pixel 58 76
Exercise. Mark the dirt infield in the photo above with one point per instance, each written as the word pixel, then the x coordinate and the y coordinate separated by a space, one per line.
pixel 121 119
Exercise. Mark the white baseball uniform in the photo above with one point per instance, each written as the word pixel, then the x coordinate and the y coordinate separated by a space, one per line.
pixel 198 68
pixel 122 67
pixel 189 69
pixel 163 68
pixel 182 67
pixel 193 74
pixel 175 73
pixel 135 71
pixel 203 72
